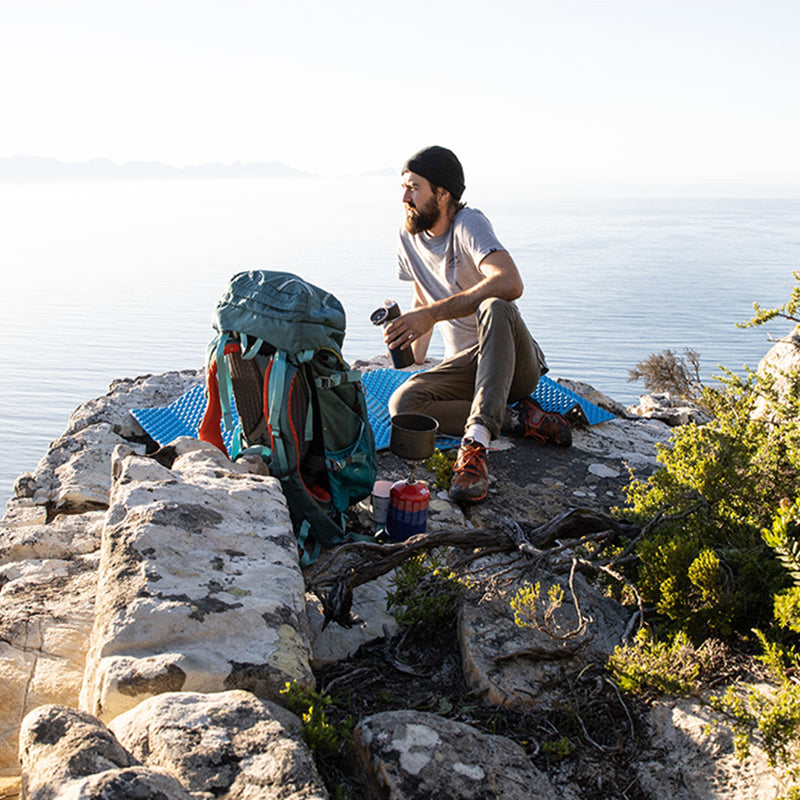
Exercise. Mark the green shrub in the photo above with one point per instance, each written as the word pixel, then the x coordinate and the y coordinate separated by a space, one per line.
pixel 705 565
pixel 323 737
pixel 424 590
pixel 784 538
pixel 721 549
pixel 670 667
pixel 772 717
pixel 789 310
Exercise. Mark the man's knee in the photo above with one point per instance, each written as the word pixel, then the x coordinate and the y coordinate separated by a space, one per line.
pixel 494 309
pixel 406 398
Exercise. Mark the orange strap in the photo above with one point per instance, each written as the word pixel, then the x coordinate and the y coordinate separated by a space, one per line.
pixel 209 430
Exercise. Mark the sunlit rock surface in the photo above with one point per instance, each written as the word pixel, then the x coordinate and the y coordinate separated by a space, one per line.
pixel 199 587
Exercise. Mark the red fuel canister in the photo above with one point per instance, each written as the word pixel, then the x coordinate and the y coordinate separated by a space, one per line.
pixel 408 510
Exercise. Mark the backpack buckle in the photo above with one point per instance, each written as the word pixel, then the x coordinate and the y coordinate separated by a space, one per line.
pixel 328 381
pixel 337 379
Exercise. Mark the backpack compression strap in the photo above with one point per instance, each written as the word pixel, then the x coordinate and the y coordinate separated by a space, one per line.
pixel 338 379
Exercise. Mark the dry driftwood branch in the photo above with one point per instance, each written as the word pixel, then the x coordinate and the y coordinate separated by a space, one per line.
pixel 338 571
pixel 566 650
pixel 575 523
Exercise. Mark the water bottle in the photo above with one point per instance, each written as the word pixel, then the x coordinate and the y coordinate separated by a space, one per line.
pixel 402 356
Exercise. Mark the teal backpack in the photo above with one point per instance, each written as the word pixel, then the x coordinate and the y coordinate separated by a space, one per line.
pixel 277 357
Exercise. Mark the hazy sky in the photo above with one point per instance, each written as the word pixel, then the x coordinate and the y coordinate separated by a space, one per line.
pixel 603 91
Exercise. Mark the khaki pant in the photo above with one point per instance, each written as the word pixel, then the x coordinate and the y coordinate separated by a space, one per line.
pixel 478 384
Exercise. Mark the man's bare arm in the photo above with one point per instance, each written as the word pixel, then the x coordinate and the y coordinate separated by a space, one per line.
pixel 501 279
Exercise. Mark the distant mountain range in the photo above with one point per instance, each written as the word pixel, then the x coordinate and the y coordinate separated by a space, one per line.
pixel 33 168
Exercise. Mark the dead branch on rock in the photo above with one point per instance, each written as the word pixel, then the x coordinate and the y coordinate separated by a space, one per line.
pixel 566 650
pixel 582 622
pixel 337 572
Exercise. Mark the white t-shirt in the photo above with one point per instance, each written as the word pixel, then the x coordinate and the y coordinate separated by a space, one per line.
pixel 445 265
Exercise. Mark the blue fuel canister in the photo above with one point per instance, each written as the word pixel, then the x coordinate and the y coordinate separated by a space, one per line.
pixel 408 510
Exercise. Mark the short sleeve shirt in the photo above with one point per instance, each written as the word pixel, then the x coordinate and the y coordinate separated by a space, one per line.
pixel 445 265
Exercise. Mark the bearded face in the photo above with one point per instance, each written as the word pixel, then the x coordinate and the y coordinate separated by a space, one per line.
pixel 424 217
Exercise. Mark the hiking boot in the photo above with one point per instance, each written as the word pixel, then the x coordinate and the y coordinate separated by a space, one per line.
pixel 470 481
pixel 533 422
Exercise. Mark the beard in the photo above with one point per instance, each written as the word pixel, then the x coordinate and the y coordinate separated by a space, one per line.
pixel 422 219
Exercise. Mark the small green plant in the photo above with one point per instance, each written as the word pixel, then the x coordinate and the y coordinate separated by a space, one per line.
pixel 424 590
pixel 670 667
pixel 772 717
pixel 323 737
pixel 532 609
pixel 557 748
pixel 441 464
pixel 784 538
pixel 789 310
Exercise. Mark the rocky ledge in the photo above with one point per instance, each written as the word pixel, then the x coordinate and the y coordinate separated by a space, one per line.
pixel 152 609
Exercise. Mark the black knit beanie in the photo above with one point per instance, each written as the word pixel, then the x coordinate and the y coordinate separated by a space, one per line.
pixel 440 166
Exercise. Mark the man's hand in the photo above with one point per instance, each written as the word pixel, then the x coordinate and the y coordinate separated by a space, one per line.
pixel 409 327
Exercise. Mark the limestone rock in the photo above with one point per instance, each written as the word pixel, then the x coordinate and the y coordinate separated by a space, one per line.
pixel 409 755
pixel 147 391
pixel 624 441
pixel 75 474
pixel 696 761
pixel 229 744
pixel 130 783
pixel 532 483
pixel 46 615
pixel 58 744
pixel 384 361
pixel 669 408
pixel 31 537
pixel 523 667
pixel 22 512
pixel 593 396
pixel 335 643
pixel 781 363
pixel 443 514
pixel 67 754
pixel 199 587
pixel 83 482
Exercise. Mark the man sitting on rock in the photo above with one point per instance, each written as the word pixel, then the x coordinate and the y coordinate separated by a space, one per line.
pixel 466 282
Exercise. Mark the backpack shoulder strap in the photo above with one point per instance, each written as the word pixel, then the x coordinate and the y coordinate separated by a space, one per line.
pixel 281 373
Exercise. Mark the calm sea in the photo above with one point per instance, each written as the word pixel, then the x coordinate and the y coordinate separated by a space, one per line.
pixel 118 279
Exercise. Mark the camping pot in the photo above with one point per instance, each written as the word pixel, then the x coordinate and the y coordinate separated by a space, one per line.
pixel 413 436
pixel 408 510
